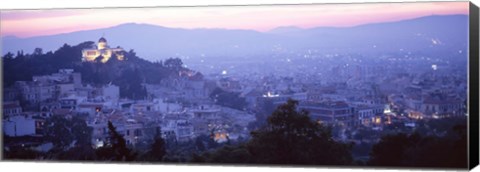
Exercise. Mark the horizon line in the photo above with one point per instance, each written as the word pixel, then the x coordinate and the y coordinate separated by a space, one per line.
pixel 213 28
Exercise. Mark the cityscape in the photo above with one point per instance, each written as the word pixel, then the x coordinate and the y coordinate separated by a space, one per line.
pixel 385 93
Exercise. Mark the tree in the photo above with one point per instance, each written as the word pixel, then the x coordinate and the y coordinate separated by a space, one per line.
pixel 77 153
pixel 130 83
pixel 228 99
pixel 63 132
pixel 173 63
pixel 389 151
pixel 116 148
pixel 291 137
pixel 199 144
pixel 37 51
pixel 81 132
pixel 71 139
pixel 226 154
pixel 179 151
pixel 58 131
pixel 264 109
pixel 21 153
pixel 9 56
pixel 157 150
pixel 415 150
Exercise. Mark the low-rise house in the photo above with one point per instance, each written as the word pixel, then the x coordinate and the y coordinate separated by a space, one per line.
pixel 90 108
pixel 99 132
pixel 21 125
pixel 46 109
pixel 252 97
pixel 11 109
pixel 184 131
pixel 365 115
pixel 36 92
pixel 207 112
pixel 329 112
pixel 70 102
pixel 10 94
pixel 132 131
pixel 442 106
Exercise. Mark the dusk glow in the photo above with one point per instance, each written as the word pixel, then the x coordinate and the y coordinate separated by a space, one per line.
pixel 260 18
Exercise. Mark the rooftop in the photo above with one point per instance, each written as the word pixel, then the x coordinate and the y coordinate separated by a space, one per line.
pixel 326 104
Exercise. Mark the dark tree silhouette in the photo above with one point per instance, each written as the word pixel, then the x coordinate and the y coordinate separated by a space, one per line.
pixel 390 150
pixel 116 148
pixel 291 137
pixel 226 154
pixel 20 153
pixel 173 63
pixel 264 109
pixel 415 150
pixel 63 132
pixel 229 99
pixel 37 51
pixel 199 144
pixel 157 150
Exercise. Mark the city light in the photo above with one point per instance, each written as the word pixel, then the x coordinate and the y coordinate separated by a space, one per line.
pixel 270 94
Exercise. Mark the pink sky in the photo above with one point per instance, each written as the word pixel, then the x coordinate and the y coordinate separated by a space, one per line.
pixel 262 18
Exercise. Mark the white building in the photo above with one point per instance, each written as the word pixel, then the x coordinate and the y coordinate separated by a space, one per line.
pixel 166 107
pixel 89 108
pixel 184 130
pixel 367 115
pixel 48 87
pixel 19 126
pixel 71 102
pixel 36 92
pixel 330 112
pixel 65 90
pixel 207 112
pixel 278 99
pixel 11 109
pixel 102 50
pixel 111 92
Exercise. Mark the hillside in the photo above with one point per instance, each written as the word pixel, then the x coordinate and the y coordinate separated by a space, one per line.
pixel 128 74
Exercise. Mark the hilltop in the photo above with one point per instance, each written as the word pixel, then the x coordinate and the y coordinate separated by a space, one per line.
pixel 128 74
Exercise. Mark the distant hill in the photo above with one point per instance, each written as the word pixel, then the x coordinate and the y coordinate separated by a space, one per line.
pixel 285 29
pixel 426 35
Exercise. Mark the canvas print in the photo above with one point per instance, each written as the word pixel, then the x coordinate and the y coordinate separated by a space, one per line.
pixel 349 85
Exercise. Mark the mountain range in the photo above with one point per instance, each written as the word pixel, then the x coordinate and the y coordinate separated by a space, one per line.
pixel 420 35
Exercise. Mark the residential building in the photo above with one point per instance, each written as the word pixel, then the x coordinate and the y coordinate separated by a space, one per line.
pixel 20 125
pixel 330 112
pixel 11 109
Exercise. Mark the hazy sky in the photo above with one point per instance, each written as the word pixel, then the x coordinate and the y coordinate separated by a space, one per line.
pixel 262 18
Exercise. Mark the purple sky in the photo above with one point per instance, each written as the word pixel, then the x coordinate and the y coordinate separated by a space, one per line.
pixel 261 18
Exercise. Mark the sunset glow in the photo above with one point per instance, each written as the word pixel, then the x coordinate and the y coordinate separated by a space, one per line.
pixel 261 18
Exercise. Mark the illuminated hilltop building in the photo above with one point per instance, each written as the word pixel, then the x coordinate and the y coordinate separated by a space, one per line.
pixel 102 51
